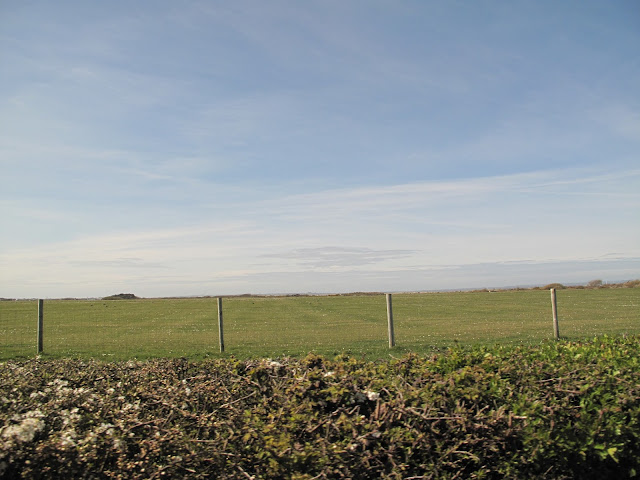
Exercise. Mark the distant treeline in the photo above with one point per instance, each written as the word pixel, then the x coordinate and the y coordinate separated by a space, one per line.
pixel 558 286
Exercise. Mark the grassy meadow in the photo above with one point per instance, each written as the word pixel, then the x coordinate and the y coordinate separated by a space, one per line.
pixel 328 325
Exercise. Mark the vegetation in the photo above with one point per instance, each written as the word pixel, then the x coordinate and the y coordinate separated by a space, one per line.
pixel 296 325
pixel 558 410
pixel 121 296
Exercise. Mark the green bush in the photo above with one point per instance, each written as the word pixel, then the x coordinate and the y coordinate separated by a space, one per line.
pixel 560 410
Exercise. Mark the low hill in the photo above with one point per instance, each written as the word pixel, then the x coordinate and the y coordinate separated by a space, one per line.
pixel 121 296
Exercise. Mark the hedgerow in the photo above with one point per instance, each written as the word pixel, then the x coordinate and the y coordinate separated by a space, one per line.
pixel 559 410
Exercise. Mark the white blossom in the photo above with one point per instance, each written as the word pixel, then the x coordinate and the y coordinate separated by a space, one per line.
pixel 30 424
pixel 372 396
pixel 68 438
pixel 69 417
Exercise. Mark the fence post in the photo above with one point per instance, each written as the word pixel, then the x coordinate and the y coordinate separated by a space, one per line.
pixel 554 309
pixel 40 325
pixel 392 339
pixel 220 329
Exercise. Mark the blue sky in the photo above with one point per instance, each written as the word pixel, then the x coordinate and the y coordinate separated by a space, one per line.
pixel 209 147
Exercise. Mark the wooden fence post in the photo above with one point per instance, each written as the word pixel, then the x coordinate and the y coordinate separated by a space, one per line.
pixel 220 329
pixel 40 325
pixel 392 339
pixel 554 309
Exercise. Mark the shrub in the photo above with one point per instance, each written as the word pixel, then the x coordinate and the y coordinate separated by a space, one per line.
pixel 560 410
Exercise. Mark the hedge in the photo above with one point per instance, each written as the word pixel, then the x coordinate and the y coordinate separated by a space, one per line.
pixel 558 410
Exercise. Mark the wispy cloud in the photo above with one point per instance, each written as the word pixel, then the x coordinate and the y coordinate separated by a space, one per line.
pixel 318 146
pixel 333 257
pixel 395 234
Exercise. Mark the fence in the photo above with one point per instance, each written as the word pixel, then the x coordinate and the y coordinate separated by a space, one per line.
pixel 275 326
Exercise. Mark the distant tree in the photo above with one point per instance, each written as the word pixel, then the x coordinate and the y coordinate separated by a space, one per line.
pixel 557 286
pixel 121 296
pixel 594 284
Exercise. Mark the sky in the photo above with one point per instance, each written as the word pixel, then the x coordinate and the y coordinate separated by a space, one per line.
pixel 178 148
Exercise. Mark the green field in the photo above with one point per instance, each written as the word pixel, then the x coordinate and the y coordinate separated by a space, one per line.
pixel 293 326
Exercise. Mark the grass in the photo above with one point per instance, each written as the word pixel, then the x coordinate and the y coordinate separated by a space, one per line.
pixel 294 326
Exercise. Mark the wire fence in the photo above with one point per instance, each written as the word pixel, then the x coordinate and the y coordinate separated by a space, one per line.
pixel 296 325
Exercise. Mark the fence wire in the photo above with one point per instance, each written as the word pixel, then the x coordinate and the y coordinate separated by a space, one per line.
pixel 296 325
